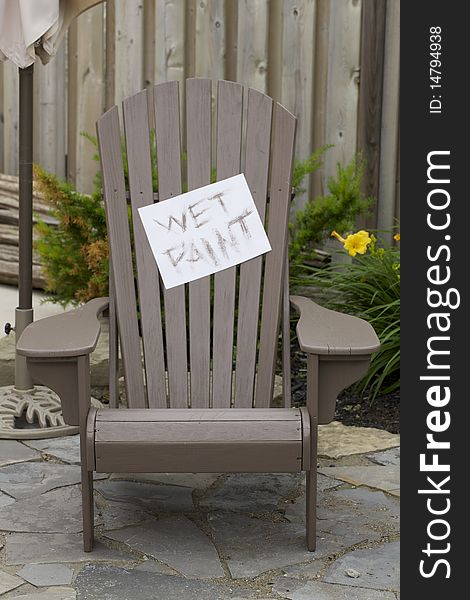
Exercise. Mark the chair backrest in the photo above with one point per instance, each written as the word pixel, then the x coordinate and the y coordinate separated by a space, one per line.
pixel 196 332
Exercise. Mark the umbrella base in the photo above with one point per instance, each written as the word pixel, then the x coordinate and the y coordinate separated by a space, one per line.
pixel 33 414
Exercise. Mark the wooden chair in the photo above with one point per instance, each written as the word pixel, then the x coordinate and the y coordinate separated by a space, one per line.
pixel 202 401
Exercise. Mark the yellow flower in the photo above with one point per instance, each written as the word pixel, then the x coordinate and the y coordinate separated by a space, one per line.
pixel 338 237
pixel 396 237
pixel 357 243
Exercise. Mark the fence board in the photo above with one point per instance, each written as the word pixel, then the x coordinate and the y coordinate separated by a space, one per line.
pixel 169 27
pixel 252 43
pixel 49 113
pixel 128 49
pixel 169 57
pixel 210 39
pixel 151 36
pixel 275 49
pixel 320 86
pixel 251 56
pixel 370 97
pixel 10 114
pixel 110 26
pixel 390 122
pixel 298 39
pixel 397 183
pixel 231 39
pixel 342 87
pixel 85 93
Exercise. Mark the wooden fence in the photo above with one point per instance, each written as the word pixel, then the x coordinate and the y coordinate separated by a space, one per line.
pixel 334 63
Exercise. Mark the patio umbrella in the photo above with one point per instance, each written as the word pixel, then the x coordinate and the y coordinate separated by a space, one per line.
pixel 30 28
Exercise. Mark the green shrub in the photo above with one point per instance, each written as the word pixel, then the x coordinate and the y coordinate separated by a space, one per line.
pixel 338 210
pixel 368 287
pixel 302 168
pixel 74 255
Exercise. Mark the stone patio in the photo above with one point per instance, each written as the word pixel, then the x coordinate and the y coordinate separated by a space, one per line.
pixel 202 537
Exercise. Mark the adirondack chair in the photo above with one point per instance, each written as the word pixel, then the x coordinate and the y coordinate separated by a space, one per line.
pixel 199 400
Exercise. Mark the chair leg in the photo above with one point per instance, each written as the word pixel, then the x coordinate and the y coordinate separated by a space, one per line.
pixel 87 509
pixel 311 495
pixel 83 386
pixel 311 506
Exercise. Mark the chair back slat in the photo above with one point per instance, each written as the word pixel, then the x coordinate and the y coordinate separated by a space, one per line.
pixel 167 133
pixel 136 127
pixel 279 191
pixel 258 139
pixel 229 132
pixel 109 141
pixel 198 149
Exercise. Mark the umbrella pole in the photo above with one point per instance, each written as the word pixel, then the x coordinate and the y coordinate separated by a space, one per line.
pixel 24 312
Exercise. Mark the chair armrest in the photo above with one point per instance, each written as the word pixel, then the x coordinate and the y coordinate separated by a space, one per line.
pixel 327 332
pixel 73 333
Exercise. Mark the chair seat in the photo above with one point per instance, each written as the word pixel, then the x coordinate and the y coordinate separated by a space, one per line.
pixel 197 440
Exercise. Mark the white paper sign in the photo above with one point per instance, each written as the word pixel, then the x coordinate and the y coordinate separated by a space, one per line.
pixel 204 231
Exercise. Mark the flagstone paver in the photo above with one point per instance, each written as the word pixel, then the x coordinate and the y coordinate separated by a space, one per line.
pixel 367 498
pixel 336 440
pixel 116 515
pixel 377 568
pixel 388 457
pixel 24 548
pixel 175 541
pixel 351 515
pixel 324 483
pixel 66 448
pixel 23 480
pixel 195 481
pixel 152 566
pixel 310 570
pixel 254 546
pixel 293 589
pixel 252 492
pixel 100 582
pixel 28 479
pixel 334 535
pixel 52 593
pixel 12 451
pixel 5 500
pixel 47 574
pixel 376 476
pixel 157 498
pixel 8 582
pixel 57 511
pixel 359 507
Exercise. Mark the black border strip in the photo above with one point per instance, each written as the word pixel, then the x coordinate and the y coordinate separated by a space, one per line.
pixel 424 407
